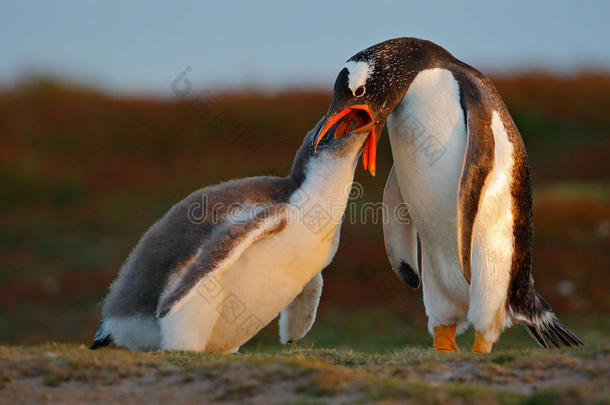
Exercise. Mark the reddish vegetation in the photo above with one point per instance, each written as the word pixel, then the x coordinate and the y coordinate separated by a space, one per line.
pixel 582 98
pixel 84 174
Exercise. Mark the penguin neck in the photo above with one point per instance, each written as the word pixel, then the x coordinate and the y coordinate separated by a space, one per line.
pixel 326 183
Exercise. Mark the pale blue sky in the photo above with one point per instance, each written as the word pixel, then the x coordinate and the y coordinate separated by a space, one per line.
pixel 140 46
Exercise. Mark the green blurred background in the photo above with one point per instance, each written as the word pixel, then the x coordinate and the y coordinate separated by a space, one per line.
pixel 83 174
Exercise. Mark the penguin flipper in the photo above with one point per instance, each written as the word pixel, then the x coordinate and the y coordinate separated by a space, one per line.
pixel 478 163
pixel 298 317
pixel 400 235
pixel 222 248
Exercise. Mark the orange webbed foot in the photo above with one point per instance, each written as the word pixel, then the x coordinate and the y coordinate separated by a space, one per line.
pixel 480 344
pixel 444 339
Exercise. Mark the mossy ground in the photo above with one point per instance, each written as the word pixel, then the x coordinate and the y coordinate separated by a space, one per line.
pixel 73 374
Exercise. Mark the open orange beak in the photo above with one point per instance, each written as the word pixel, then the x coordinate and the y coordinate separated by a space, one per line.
pixel 358 116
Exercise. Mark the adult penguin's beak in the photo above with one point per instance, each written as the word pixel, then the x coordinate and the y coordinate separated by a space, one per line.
pixel 350 120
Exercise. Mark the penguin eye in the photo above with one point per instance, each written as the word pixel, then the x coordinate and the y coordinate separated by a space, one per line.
pixel 360 91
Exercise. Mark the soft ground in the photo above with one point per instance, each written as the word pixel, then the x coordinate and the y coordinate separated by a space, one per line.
pixel 370 359
pixel 73 374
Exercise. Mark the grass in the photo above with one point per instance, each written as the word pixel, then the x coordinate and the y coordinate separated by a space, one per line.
pixel 350 356
pixel 72 373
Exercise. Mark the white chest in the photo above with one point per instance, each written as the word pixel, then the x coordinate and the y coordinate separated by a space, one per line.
pixel 428 137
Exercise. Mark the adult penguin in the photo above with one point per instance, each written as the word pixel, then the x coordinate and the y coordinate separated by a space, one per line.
pixel 461 166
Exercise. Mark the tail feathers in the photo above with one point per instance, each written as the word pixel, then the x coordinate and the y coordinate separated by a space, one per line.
pixel 102 337
pixel 544 326
pixel 552 333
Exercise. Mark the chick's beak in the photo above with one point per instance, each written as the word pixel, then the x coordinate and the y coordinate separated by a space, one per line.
pixel 351 120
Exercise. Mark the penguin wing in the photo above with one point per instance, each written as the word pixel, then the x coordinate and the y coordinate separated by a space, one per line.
pixel 223 247
pixel 400 235
pixel 478 163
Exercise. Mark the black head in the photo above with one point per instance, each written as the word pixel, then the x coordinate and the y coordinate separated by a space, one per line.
pixel 372 83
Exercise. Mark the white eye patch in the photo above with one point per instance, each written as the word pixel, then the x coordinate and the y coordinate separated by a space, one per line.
pixel 358 73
